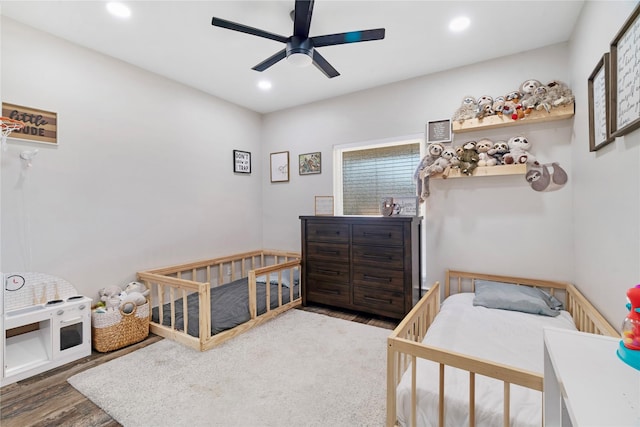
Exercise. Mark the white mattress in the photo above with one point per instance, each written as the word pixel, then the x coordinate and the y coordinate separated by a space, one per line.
pixel 502 336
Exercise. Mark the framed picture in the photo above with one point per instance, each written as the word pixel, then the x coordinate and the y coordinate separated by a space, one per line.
pixel 324 205
pixel 625 77
pixel 280 166
pixel 599 111
pixel 310 163
pixel 241 161
pixel 40 125
pixel 439 131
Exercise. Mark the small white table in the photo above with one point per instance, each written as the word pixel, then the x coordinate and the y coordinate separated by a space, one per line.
pixel 586 384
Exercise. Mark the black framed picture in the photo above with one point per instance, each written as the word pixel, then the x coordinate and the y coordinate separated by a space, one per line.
pixel 241 161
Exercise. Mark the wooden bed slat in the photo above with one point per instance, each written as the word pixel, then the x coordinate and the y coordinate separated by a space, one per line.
pixel 404 345
pixel 169 283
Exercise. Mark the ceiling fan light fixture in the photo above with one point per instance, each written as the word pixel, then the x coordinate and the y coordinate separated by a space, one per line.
pixel 299 59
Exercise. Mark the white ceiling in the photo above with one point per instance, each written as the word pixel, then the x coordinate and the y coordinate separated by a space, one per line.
pixel 176 39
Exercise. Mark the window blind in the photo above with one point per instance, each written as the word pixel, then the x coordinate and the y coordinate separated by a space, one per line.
pixel 372 174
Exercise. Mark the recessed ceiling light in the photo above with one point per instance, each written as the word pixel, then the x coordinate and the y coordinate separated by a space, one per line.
pixel 459 24
pixel 264 84
pixel 118 9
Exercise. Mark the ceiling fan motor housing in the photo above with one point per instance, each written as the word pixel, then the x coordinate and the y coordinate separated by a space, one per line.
pixel 299 45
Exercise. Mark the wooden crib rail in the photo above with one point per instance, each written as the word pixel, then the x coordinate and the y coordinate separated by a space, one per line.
pixel 404 345
pixel 169 284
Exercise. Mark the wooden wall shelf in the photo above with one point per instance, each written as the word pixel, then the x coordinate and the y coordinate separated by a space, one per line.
pixel 519 169
pixel 558 113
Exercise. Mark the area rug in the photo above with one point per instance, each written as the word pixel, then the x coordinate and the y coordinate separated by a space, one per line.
pixel 299 369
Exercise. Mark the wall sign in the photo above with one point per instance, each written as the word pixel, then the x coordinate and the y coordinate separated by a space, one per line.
pixel 439 131
pixel 598 90
pixel 241 161
pixel 625 77
pixel 39 125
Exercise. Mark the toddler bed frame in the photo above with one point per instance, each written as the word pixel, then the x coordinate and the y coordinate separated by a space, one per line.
pixel 169 285
pixel 405 345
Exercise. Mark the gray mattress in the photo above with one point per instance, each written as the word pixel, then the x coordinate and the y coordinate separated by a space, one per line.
pixel 229 306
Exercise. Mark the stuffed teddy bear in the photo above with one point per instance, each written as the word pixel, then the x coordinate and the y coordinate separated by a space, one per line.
pixel 110 296
pixel 499 149
pixel 421 175
pixel 469 158
pixel 467 110
pixel 134 293
pixel 519 152
pixel 484 158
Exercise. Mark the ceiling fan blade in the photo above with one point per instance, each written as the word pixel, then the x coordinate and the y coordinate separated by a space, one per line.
pixel 350 37
pixel 217 22
pixel 324 66
pixel 270 61
pixel 302 18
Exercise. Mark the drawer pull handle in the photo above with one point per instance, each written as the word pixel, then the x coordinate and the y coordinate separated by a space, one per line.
pixel 383 257
pixel 328 272
pixel 74 320
pixel 381 235
pixel 329 291
pixel 328 252
pixel 377 279
pixel 386 301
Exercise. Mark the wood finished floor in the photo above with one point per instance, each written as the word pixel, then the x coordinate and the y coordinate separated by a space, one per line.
pixel 49 400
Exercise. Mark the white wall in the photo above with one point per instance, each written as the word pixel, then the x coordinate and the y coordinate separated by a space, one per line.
pixel 606 209
pixel 492 224
pixel 142 176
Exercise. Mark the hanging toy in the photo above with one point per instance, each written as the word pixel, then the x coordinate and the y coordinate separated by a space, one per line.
pixel 629 349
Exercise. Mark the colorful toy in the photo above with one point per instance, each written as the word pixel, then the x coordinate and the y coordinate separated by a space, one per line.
pixel 629 348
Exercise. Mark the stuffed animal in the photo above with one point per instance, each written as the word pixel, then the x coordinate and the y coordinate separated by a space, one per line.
pixel 528 89
pixel 485 107
pixel 110 296
pixel 469 158
pixel 484 158
pixel 132 299
pixel 421 175
pixel 499 149
pixel 467 110
pixel 498 105
pixel 557 94
pixel 519 152
pixel 512 101
pixel 451 156
pixel 136 287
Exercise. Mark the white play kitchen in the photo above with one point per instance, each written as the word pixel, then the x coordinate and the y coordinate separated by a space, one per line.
pixel 45 324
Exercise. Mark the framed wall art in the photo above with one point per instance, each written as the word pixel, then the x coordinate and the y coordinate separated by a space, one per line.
pixel 599 111
pixel 280 166
pixel 310 163
pixel 241 161
pixel 625 77
pixel 438 131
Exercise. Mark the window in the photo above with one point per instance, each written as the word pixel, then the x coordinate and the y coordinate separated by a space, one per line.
pixel 368 174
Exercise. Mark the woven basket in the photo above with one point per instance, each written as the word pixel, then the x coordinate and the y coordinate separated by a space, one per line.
pixel 116 329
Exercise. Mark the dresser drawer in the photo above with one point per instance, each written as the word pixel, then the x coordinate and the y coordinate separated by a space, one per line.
pixel 385 302
pixel 328 271
pixel 382 278
pixel 383 234
pixel 328 251
pixel 378 256
pixel 327 232
pixel 326 292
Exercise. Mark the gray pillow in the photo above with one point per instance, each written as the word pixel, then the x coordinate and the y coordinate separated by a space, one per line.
pixel 273 278
pixel 516 298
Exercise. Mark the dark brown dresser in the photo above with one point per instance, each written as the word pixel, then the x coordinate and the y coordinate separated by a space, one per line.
pixel 362 263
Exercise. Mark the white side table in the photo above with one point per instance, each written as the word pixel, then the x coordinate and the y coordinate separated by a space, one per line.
pixel 586 384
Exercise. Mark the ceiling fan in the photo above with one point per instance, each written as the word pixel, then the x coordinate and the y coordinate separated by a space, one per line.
pixel 300 48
